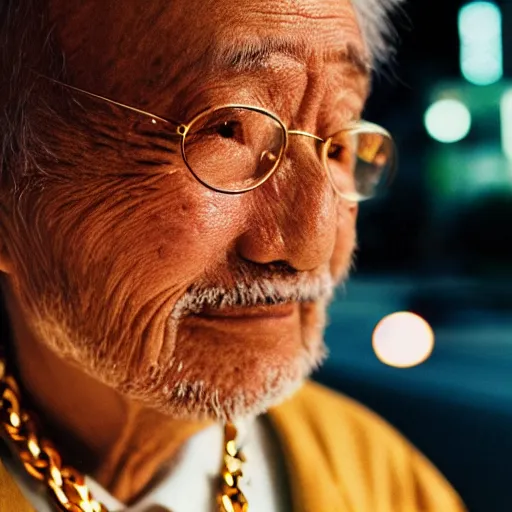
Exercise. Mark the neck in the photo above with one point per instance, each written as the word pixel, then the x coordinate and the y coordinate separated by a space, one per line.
pixel 120 443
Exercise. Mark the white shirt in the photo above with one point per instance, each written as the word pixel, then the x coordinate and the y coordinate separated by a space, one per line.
pixel 191 485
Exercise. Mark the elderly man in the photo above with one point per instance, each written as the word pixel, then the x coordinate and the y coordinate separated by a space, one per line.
pixel 179 190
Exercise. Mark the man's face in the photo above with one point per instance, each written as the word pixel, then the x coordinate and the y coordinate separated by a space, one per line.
pixel 131 269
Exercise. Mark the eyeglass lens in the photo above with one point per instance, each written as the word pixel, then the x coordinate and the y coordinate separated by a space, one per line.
pixel 360 162
pixel 233 149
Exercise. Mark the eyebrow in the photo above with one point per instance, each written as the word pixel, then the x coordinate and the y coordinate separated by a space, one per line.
pixel 246 56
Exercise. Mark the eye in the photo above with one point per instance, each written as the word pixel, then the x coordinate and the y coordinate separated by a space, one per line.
pixel 227 130
pixel 335 151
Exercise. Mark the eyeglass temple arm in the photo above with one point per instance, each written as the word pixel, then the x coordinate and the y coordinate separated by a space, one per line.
pixel 305 134
pixel 178 126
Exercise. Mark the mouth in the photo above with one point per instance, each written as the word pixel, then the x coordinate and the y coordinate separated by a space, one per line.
pixel 240 313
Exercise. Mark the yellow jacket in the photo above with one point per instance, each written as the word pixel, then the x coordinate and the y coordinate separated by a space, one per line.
pixel 340 458
pixel 343 458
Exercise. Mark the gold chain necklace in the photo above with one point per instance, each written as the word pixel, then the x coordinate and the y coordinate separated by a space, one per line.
pixel 65 484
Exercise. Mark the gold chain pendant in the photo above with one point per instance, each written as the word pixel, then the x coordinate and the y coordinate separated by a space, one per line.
pixel 230 497
pixel 65 484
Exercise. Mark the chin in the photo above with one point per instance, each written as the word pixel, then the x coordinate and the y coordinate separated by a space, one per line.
pixel 225 369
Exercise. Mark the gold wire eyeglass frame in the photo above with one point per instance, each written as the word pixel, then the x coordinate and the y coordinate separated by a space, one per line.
pixel 181 130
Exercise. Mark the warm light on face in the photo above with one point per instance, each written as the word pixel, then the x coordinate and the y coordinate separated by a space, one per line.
pixel 403 340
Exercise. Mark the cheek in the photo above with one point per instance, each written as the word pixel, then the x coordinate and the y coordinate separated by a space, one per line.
pixel 100 266
pixel 133 238
pixel 346 239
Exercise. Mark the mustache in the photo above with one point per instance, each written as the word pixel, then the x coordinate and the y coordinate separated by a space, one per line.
pixel 256 290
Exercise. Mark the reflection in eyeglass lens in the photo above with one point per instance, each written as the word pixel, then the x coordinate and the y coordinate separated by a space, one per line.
pixel 359 162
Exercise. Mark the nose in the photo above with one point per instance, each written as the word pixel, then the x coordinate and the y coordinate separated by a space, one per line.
pixel 294 215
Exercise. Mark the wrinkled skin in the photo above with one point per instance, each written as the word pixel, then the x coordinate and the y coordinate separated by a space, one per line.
pixel 99 250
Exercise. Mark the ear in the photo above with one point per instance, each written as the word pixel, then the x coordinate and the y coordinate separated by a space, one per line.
pixel 5 260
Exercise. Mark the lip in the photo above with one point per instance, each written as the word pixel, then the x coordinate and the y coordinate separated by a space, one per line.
pixel 249 312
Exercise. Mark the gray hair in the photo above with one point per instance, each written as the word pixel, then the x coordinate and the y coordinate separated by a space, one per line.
pixel 22 20
pixel 20 24
pixel 377 30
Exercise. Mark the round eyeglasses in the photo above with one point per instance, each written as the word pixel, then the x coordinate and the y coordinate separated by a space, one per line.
pixel 236 148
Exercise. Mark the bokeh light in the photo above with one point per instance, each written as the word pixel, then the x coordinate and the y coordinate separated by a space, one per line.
pixel 403 340
pixel 481 46
pixel 506 123
pixel 448 120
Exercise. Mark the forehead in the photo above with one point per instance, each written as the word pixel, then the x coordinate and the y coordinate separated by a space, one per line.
pixel 110 46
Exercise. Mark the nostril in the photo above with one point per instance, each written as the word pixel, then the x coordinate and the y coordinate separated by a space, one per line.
pixel 281 266
pixel 275 267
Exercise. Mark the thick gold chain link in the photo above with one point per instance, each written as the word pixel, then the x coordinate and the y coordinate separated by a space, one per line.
pixel 39 457
pixel 66 485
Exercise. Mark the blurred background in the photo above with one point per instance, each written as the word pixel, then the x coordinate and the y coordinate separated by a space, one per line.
pixel 439 245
